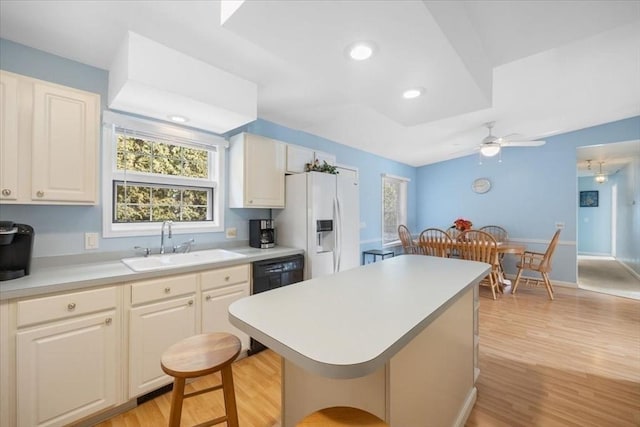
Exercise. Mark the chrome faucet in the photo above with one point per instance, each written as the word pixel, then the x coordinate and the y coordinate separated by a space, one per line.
pixel 184 247
pixel 168 223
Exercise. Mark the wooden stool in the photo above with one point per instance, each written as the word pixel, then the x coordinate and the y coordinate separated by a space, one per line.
pixel 340 416
pixel 197 356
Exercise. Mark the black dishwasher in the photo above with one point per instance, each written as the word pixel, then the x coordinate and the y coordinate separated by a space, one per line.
pixel 275 273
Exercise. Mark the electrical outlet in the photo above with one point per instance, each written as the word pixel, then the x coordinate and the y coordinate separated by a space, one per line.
pixel 231 233
pixel 91 240
pixel 559 225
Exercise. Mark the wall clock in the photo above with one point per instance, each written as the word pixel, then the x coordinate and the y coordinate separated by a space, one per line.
pixel 481 185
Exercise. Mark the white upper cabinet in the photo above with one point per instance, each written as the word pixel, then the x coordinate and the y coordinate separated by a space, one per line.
pixel 257 168
pixel 324 157
pixel 55 130
pixel 8 136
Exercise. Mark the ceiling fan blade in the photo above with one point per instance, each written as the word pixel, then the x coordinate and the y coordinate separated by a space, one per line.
pixel 522 143
pixel 514 137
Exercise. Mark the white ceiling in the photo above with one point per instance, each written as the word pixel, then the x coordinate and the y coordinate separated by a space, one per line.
pixel 537 68
pixel 612 156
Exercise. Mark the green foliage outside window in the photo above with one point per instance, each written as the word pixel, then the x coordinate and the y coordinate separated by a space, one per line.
pixel 391 209
pixel 147 203
pixel 139 155
pixel 140 202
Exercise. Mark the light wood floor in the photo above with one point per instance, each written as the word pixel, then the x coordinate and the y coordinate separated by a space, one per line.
pixel 574 361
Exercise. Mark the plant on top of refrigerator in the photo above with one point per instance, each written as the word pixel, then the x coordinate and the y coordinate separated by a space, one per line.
pixel 324 167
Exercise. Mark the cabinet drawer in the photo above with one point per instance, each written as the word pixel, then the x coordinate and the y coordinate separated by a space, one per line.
pixel 162 288
pixel 225 276
pixel 66 305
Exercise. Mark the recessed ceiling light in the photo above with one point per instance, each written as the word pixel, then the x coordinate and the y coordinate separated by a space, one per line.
pixel 413 93
pixel 178 119
pixel 360 51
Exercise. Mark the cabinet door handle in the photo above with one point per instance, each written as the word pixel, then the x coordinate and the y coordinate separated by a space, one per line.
pixel 227 278
pixel 40 193
pixel 167 290
pixel 107 321
pixel 190 303
pixel 6 192
pixel 208 298
pixel 71 306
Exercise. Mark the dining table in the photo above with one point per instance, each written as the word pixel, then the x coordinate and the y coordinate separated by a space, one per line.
pixel 504 247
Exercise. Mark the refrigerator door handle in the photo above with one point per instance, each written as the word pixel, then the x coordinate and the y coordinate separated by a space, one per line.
pixel 338 244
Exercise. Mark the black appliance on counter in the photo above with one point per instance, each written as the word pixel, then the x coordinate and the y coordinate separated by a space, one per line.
pixel 16 245
pixel 275 273
pixel 262 233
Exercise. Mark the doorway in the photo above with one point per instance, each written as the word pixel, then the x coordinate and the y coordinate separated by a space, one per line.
pixel 603 220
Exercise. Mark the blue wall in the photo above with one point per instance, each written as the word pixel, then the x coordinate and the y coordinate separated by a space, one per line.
pixel 60 229
pixel 371 168
pixel 628 215
pixel 533 189
pixel 594 223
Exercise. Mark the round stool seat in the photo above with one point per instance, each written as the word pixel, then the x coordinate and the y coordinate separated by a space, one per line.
pixel 200 355
pixel 340 416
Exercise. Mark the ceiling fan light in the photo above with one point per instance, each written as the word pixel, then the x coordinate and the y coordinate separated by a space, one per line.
pixel 490 149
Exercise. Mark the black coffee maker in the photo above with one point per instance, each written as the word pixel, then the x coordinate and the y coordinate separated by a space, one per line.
pixel 16 245
pixel 262 233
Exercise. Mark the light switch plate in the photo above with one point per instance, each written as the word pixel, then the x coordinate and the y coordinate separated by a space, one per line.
pixel 91 240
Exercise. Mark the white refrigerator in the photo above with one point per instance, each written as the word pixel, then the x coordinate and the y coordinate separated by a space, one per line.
pixel 322 216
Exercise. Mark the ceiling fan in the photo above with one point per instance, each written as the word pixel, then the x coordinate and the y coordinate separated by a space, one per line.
pixel 491 145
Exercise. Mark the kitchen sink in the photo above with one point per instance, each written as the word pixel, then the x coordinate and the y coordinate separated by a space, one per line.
pixel 167 261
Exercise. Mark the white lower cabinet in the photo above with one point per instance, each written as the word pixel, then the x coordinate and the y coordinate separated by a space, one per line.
pixel 166 315
pixel 215 311
pixel 69 366
pixel 220 288
pixel 77 354
pixel 7 371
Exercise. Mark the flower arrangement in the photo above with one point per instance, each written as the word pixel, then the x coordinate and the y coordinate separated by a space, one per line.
pixel 462 224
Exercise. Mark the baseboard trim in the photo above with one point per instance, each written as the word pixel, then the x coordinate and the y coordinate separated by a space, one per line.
pixel 553 281
pixel 465 411
pixel 598 255
pixel 629 269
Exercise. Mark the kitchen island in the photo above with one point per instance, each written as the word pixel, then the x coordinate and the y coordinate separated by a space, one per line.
pixel 394 338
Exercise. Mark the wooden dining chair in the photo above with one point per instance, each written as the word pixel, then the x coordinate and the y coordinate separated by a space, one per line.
pixel 453 232
pixel 539 262
pixel 406 239
pixel 476 245
pixel 500 234
pixel 435 242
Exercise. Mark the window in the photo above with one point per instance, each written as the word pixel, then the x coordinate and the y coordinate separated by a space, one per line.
pixel 155 172
pixel 394 208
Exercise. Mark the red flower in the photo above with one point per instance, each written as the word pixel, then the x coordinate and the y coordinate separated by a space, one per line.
pixel 462 224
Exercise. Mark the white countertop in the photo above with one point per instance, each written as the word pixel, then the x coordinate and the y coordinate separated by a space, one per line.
pixel 350 324
pixel 66 277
